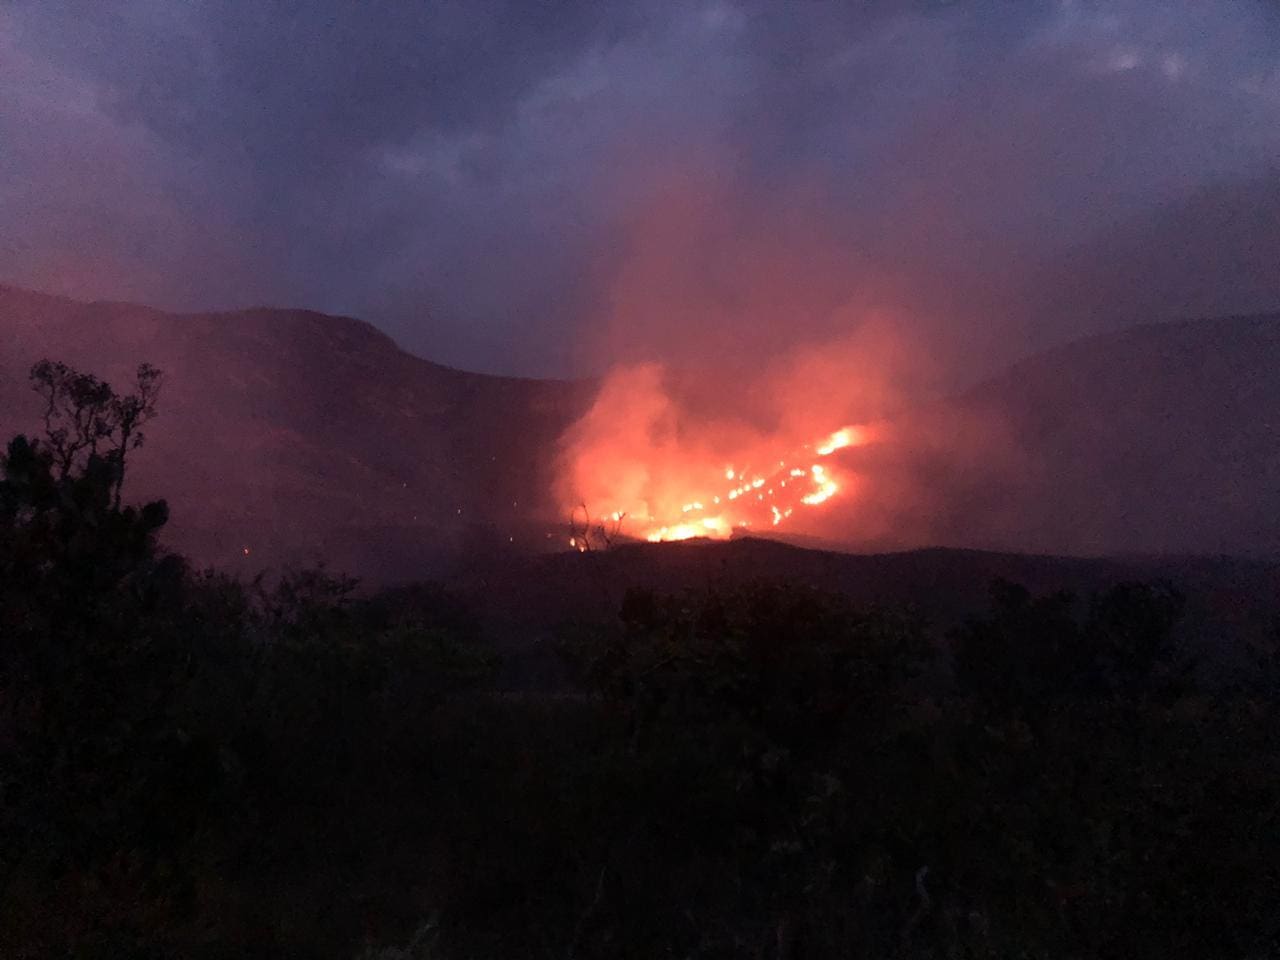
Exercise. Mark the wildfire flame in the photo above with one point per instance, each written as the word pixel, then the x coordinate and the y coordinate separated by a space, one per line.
pixel 644 462
pixel 753 497
pixel 759 497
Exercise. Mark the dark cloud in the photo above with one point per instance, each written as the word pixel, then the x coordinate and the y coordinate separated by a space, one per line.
pixel 471 175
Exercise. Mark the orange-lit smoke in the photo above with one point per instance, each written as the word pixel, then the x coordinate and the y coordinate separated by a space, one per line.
pixel 780 452
pixel 754 360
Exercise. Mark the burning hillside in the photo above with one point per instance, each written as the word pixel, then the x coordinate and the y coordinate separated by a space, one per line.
pixel 640 465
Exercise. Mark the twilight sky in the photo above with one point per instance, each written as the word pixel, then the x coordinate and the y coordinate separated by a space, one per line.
pixel 541 188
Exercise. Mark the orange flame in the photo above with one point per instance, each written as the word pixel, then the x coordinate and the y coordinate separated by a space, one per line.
pixel 630 458
pixel 773 502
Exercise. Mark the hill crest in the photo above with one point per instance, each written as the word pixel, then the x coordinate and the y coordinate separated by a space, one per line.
pixel 297 435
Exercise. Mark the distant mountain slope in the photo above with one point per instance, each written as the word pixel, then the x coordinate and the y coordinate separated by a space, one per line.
pixel 296 434
pixel 1159 439
pixel 301 435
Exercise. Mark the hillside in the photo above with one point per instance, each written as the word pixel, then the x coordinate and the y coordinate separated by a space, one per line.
pixel 299 435
pixel 1160 439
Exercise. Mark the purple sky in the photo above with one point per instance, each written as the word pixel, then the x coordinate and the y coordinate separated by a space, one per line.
pixel 479 178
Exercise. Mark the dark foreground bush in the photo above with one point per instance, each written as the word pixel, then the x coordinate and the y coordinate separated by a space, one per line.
pixel 196 767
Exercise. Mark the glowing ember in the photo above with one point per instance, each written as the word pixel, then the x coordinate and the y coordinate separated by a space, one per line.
pixel 849 436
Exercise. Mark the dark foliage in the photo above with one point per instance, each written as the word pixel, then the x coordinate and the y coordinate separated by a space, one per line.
pixel 1031 653
pixel 191 766
pixel 146 710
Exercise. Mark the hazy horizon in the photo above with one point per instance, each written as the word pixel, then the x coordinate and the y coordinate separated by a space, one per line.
pixel 492 186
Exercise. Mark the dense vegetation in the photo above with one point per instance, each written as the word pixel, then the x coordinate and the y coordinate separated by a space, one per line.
pixel 191 766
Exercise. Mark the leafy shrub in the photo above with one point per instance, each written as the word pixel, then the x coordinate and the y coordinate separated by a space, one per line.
pixel 1029 653
pixel 146 709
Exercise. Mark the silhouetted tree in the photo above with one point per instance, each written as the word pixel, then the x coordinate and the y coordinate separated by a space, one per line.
pixel 85 418
pixel 62 526
pixel 84 668
pixel 587 535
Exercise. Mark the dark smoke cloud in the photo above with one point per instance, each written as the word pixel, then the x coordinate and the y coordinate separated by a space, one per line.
pixel 477 177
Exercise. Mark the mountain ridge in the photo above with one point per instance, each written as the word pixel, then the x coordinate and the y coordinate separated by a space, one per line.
pixel 296 435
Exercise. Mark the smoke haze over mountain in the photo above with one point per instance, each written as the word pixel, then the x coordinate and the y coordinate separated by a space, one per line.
pixel 547 191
